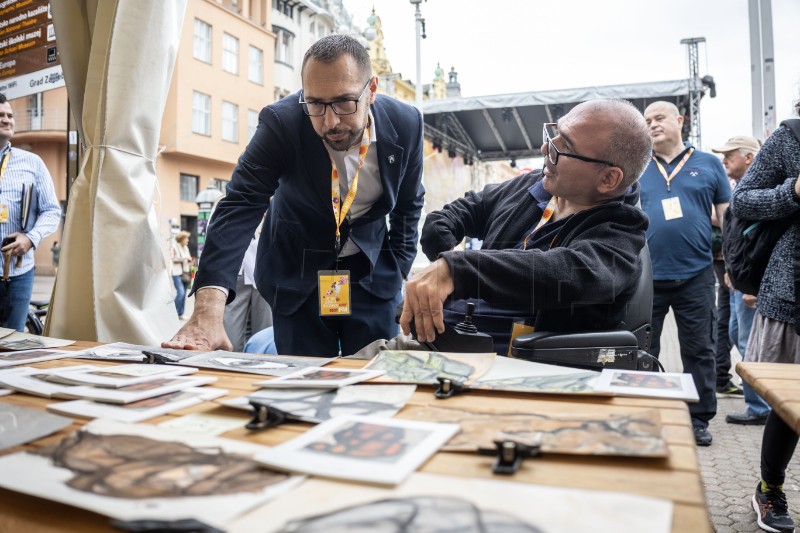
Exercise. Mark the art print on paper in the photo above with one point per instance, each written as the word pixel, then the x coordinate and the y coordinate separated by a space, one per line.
pixel 361 448
pixel 315 406
pixel 142 472
pixel 134 353
pixel 649 384
pixel 525 376
pixel 314 377
pixel 268 365
pixel 25 341
pixel 420 513
pixel 630 434
pixel 31 356
pixel 19 425
pixel 426 367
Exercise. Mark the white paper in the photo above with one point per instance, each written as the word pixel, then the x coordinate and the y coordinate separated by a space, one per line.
pixel 141 410
pixel 36 475
pixel 319 378
pixel 35 380
pixel 549 509
pixel 31 356
pixel 204 423
pixel 648 384
pixel 121 375
pixel 331 449
pixel 137 392
pixel 123 351
pixel 26 341
pixel 267 365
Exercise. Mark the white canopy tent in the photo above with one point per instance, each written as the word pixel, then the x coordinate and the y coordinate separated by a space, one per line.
pixel 117 57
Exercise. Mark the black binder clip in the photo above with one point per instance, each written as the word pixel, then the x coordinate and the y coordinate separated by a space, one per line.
pixel 155 358
pixel 448 387
pixel 164 526
pixel 266 416
pixel 509 455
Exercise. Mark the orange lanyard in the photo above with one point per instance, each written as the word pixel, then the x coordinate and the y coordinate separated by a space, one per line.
pixel 546 216
pixel 339 213
pixel 3 166
pixel 676 170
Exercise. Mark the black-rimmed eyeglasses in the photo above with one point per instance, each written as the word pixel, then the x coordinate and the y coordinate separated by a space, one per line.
pixel 342 107
pixel 550 130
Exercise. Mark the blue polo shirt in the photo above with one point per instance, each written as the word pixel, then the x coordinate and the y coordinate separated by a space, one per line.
pixel 681 247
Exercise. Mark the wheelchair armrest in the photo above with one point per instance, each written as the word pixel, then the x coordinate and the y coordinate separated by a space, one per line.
pixel 591 350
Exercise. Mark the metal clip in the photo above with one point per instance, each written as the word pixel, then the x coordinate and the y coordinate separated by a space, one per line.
pixel 448 387
pixel 509 455
pixel 155 358
pixel 265 416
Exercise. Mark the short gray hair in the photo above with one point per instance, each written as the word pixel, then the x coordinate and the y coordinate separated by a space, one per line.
pixel 629 142
pixel 331 47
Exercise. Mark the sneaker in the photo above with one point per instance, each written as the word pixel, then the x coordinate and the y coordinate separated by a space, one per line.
pixel 748 418
pixel 730 388
pixel 771 510
pixel 701 436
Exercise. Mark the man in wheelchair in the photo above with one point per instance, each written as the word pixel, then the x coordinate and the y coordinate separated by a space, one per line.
pixel 561 246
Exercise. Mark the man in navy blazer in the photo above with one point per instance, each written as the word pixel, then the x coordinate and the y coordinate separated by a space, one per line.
pixel 336 122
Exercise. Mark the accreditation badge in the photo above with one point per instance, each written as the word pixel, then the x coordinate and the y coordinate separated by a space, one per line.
pixel 517 329
pixel 3 213
pixel 672 208
pixel 334 292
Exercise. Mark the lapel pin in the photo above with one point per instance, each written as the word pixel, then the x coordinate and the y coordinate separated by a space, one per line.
pixel 390 159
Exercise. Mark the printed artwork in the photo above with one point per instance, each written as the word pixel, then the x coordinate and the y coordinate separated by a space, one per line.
pixel 320 378
pixel 118 376
pixel 37 381
pixel 314 406
pixel 524 376
pixel 137 472
pixel 134 353
pixel 25 341
pixel 631 434
pixel 268 365
pixel 650 384
pixel 139 410
pixel 138 391
pixel 446 504
pixel 361 448
pixel 19 425
pixel 425 367
pixel 31 356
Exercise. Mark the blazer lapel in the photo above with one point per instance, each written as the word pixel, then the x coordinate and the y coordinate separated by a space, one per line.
pixel 317 162
pixel 390 155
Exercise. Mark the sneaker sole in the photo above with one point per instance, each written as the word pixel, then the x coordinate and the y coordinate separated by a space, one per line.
pixel 761 524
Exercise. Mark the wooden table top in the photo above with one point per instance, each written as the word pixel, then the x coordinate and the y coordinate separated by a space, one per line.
pixel 676 477
pixel 779 385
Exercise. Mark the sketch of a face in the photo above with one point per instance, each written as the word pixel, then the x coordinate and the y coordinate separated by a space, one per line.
pixel 128 466
pixel 411 515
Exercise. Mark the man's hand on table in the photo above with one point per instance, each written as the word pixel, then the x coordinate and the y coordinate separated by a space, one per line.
pixel 425 296
pixel 204 330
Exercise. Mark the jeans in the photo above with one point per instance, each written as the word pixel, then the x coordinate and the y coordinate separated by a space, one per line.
pixel 696 316
pixel 180 296
pixel 21 288
pixel 739 330
pixel 724 317
pixel 262 342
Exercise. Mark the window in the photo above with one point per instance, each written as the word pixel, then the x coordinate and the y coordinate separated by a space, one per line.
pixel 36 110
pixel 201 113
pixel 230 53
pixel 220 185
pixel 313 28
pixel 189 187
pixel 230 122
pixel 252 123
pixel 202 41
pixel 283 6
pixel 283 45
pixel 255 65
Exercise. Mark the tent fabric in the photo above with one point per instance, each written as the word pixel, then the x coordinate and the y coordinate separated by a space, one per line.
pixel 113 283
pixel 509 126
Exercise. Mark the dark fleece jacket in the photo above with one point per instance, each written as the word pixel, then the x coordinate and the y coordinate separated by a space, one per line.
pixel 581 283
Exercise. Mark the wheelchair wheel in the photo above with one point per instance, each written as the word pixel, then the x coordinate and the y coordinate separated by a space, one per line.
pixel 33 324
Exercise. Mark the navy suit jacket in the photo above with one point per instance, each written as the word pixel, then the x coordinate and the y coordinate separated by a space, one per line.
pixel 286 168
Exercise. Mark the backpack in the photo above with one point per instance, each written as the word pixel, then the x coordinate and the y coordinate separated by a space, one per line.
pixel 748 244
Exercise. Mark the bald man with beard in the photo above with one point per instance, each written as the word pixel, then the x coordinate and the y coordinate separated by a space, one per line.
pixel 680 187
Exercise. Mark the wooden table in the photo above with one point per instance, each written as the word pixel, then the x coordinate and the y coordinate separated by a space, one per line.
pixel 676 478
pixel 779 385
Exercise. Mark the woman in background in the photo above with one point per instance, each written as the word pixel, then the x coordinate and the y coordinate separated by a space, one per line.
pixel 181 262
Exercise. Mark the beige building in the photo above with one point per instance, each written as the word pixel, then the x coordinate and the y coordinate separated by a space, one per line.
pixel 223 77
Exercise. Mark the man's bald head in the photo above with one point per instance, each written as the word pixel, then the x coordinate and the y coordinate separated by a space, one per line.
pixel 667 108
pixel 626 137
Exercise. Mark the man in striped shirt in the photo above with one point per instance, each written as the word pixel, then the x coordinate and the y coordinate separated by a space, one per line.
pixel 19 171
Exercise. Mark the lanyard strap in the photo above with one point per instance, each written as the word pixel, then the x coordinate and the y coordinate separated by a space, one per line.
pixel 546 216
pixel 4 164
pixel 340 210
pixel 676 170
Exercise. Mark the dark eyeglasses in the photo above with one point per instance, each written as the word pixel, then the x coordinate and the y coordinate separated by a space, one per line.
pixel 550 130
pixel 342 107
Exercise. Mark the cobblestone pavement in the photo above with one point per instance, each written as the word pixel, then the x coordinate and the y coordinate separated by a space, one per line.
pixel 730 466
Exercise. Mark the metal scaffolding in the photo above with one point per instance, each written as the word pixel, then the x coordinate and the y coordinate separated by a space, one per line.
pixel 695 88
